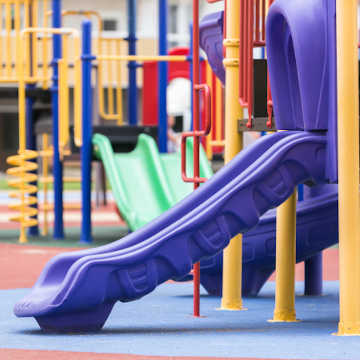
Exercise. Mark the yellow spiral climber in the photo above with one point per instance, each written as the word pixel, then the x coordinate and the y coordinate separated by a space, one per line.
pixel 24 190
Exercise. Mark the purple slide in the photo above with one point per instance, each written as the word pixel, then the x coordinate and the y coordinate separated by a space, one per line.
pixel 316 230
pixel 76 291
pixel 301 49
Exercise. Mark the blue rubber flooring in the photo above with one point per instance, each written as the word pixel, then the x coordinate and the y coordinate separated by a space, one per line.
pixel 161 324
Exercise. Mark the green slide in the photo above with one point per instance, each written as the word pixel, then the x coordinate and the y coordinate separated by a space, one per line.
pixel 144 182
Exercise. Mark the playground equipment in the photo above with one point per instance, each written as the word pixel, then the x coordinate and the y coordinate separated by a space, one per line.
pixel 199 226
pixel 65 73
pixel 27 75
pixel 261 177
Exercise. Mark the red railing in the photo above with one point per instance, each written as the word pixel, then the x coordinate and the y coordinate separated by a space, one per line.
pixel 197 133
pixel 196 179
pixel 252 35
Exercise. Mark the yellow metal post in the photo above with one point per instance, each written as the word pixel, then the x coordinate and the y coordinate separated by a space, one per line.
pixel 119 103
pixel 45 49
pixel 45 173
pixel 78 97
pixel 348 166
pixel 218 112
pixel 8 18
pixel 208 139
pixel 285 261
pixel 232 268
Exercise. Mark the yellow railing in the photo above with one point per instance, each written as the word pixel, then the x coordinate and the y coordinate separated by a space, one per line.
pixel 111 71
pixel 114 78
pixel 90 14
pixel 216 136
pixel 18 14
pixel 25 58
pixel 64 94
pixel 15 15
pixel 23 161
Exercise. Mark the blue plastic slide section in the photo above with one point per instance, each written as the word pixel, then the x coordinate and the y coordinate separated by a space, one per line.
pixel 316 230
pixel 76 291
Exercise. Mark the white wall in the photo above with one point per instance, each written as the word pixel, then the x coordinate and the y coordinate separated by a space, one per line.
pixel 147 15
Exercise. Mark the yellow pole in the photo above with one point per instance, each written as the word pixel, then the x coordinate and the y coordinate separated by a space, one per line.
pixel 1 38
pixel 167 58
pixel 77 96
pixel 348 166
pixel 45 49
pixel 232 268
pixel 110 94
pixel 8 39
pixel 218 110
pixel 208 139
pixel 45 171
pixel 119 104
pixel 22 144
pixel 27 39
pixel 17 21
pixel 285 261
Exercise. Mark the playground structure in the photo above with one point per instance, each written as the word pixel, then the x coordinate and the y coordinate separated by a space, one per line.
pixel 318 109
pixel 64 72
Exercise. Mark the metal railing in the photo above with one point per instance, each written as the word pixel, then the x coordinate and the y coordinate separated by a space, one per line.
pixel 22 174
pixel 252 35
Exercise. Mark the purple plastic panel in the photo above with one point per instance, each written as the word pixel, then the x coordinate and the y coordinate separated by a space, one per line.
pixel 298 58
pixel 76 291
pixel 316 230
pixel 211 41
pixel 301 48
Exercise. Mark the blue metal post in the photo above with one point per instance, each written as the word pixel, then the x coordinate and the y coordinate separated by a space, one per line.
pixel 86 147
pixel 163 76
pixel 31 145
pixel 57 164
pixel 132 65
pixel 301 192
pixel 313 284
pixel 313 275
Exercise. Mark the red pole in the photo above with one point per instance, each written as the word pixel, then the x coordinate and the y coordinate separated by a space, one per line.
pixel 196 77
pixel 197 133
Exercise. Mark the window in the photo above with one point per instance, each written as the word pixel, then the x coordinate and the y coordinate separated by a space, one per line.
pixel 110 25
pixel 173 19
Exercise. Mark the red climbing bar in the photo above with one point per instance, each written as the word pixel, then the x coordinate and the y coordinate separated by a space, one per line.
pixel 197 133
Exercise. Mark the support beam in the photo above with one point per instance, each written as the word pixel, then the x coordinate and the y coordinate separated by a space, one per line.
pixel 348 166
pixel 285 261
pixel 132 65
pixel 57 164
pixel 86 148
pixel 232 268
pixel 313 275
pixel 163 76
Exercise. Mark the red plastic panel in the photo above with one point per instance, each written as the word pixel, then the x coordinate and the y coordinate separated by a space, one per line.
pixel 150 87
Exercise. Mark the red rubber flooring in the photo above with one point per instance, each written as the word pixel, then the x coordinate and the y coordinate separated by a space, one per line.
pixel 21 265
pixel 15 354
